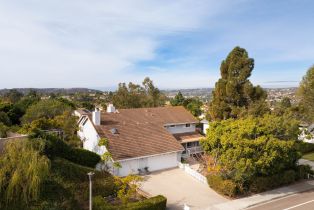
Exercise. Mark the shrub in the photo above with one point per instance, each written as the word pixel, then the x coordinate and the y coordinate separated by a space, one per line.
pixel 302 171
pixel 229 188
pixel 68 186
pixel 3 130
pixel 288 177
pixel 69 170
pixel 84 157
pixel 99 203
pixel 260 184
pixel 225 187
pixel 155 203
pixel 304 147
pixel 58 148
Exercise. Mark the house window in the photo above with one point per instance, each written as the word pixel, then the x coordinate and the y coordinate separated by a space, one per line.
pixel 187 125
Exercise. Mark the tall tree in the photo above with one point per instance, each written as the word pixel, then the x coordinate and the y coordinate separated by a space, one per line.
pixel 23 169
pixel 234 93
pixel 306 94
pixel 136 96
pixel 178 100
pixel 192 104
pixel 154 96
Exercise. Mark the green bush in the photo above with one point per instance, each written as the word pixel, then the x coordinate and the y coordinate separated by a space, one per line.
pixel 260 184
pixel 68 186
pixel 58 148
pixel 304 147
pixel 288 177
pixel 69 170
pixel 155 203
pixel 302 171
pixel 99 203
pixel 3 130
pixel 83 157
pixel 225 187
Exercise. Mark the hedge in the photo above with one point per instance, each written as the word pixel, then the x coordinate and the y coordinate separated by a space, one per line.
pixel 259 184
pixel 155 203
pixel 58 148
pixel 304 147
pixel 83 157
pixel 303 171
pixel 225 187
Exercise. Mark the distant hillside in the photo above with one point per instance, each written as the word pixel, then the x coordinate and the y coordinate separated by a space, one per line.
pixel 46 91
pixel 204 93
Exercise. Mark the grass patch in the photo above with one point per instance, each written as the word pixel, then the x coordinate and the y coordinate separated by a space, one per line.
pixel 309 156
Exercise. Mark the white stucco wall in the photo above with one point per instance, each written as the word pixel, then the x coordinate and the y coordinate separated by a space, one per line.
pixel 180 128
pixel 205 127
pixel 90 138
pixel 154 163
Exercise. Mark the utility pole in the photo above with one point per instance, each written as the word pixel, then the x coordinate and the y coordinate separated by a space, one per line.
pixel 90 174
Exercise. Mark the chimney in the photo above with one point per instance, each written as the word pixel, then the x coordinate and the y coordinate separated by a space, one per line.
pixel 111 108
pixel 96 117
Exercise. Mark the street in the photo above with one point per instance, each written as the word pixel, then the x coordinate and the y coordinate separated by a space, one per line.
pixel 299 201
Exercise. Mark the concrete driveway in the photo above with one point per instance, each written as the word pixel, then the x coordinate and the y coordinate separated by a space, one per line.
pixel 180 188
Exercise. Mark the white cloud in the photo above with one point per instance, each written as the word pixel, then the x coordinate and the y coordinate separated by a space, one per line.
pixel 98 43
pixel 87 43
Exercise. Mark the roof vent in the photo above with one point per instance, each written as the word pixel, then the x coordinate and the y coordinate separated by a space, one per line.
pixel 114 131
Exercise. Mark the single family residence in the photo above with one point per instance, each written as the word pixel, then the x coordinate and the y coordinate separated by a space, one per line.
pixel 141 139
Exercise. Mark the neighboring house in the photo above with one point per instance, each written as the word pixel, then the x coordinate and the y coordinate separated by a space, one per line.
pixel 307 133
pixel 141 139
pixel 205 126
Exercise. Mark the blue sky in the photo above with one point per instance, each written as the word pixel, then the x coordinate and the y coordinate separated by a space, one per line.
pixel 178 43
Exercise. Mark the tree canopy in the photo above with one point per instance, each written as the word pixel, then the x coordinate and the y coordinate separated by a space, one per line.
pixel 306 95
pixel 23 169
pixel 45 109
pixel 252 147
pixel 192 104
pixel 234 93
pixel 137 96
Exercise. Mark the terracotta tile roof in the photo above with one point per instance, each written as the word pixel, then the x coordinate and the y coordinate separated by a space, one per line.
pixel 141 132
pixel 188 137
